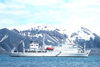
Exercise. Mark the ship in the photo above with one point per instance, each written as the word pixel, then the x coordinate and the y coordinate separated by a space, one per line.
pixel 67 50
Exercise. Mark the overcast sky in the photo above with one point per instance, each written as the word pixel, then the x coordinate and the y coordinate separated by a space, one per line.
pixel 65 13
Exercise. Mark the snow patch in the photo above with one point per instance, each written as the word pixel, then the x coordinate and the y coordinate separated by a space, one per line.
pixel 5 37
pixel 82 35
pixel 38 35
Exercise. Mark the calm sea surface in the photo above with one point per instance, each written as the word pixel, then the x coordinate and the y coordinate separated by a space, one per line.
pixel 91 61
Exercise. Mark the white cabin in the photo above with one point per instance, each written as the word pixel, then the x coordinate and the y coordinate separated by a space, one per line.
pixel 34 45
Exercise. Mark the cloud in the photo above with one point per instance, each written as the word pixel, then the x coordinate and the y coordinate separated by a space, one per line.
pixel 39 2
pixel 73 13
pixel 16 6
pixel 79 4
pixel 72 18
pixel 20 12
pixel 3 6
pixel 11 6
pixel 5 23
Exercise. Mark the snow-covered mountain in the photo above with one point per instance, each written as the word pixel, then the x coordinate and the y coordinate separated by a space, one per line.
pixel 53 36
pixel 83 33
pixel 82 36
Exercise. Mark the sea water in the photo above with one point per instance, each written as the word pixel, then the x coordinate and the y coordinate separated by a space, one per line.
pixel 91 61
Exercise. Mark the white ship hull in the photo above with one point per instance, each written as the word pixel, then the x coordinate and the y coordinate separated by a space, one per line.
pixel 64 50
pixel 52 53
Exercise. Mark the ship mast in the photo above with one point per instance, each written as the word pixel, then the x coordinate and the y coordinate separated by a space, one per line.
pixel 84 47
pixel 44 41
pixel 23 45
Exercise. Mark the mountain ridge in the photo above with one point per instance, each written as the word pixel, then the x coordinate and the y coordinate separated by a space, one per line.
pixel 54 36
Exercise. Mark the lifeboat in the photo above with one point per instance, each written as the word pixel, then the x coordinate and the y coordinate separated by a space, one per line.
pixel 49 48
